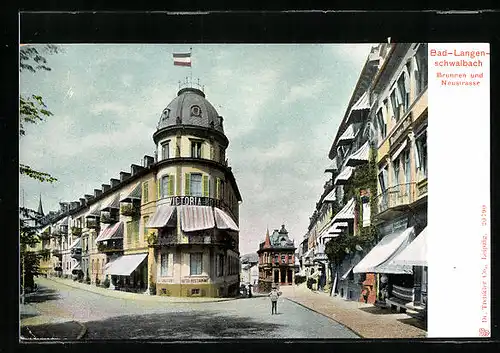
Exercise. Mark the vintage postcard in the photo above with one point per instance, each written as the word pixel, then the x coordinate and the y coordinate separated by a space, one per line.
pixel 211 191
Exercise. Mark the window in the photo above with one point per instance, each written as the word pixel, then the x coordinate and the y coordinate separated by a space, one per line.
pixel 382 178
pixel 290 259
pixel 276 259
pixel 420 68
pixel 164 186
pixel 145 192
pixel 220 265
pixel 165 152
pixel 404 91
pixel 406 160
pixel 195 263
pixel 195 188
pixel 195 110
pixel 132 231
pixel 381 124
pixel 283 259
pixel 196 149
pixel 394 106
pixel 164 265
pixel 195 291
pixel 421 160
pixel 222 189
pixel 146 220
pixel 395 168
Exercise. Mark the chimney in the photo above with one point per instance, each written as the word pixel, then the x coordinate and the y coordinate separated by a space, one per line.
pixel 114 182
pixel 148 161
pixel 105 187
pixel 124 176
pixel 64 206
pixel 83 201
pixel 97 192
pixel 75 205
pixel 134 169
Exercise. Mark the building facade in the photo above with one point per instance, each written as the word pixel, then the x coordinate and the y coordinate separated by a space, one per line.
pixel 170 226
pixel 276 260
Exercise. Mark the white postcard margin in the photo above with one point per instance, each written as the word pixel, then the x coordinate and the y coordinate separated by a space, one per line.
pixel 459 190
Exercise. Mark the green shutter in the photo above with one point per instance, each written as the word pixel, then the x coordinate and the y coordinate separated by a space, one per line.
pixel 158 189
pixel 205 186
pixel 186 184
pixel 217 188
pixel 171 185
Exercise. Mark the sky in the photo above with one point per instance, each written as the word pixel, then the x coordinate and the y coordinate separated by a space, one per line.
pixel 282 106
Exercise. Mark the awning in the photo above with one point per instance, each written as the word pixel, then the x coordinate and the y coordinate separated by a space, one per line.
pixel 76 244
pixel 224 221
pixel 347 212
pixel 162 216
pixel 347 273
pixel 195 218
pixel 124 265
pixel 95 210
pixel 308 253
pixel 108 232
pixel 356 113
pixel 377 259
pixel 330 197
pixel 133 192
pixel 347 137
pixel 399 150
pixel 360 156
pixel 344 176
pixel 414 254
pixel 332 167
pixel 112 202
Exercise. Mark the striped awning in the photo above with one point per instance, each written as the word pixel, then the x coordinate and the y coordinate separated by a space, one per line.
pixel 357 110
pixel 360 156
pixel 111 231
pixel 332 167
pixel 162 216
pixel 76 244
pixel 347 137
pixel 344 176
pixel 344 276
pixel 347 212
pixel 378 260
pixel 124 265
pixel 95 210
pixel 330 197
pixel 195 218
pixel 132 193
pixel 112 202
pixel 224 221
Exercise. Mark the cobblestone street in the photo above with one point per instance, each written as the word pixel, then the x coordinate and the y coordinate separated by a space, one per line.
pixel 116 318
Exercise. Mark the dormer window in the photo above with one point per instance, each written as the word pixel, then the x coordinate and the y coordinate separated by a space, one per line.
pixel 166 113
pixel 196 149
pixel 195 110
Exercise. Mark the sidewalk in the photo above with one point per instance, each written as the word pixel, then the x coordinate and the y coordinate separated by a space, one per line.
pixel 135 296
pixel 35 325
pixel 366 320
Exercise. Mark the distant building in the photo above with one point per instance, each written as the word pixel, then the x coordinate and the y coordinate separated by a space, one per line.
pixel 276 260
pixel 249 273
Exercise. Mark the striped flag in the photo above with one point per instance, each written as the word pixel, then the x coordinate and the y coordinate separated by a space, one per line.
pixel 182 59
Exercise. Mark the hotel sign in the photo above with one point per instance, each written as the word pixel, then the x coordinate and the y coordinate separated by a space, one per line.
pixel 194 201
pixel 194 280
pixel 400 129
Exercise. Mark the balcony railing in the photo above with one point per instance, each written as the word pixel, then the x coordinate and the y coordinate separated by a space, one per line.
pixel 76 231
pixel 128 209
pixel 109 217
pixel 422 188
pixel 110 246
pixel 396 196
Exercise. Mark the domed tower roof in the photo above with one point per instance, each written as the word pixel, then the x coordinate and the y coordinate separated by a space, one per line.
pixel 190 107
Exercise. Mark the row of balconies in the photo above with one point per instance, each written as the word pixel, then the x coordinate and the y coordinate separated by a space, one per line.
pixel 400 195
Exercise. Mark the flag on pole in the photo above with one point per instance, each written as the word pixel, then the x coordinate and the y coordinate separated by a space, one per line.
pixel 182 59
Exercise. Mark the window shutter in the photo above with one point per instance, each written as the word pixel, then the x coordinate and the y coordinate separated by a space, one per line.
pixel 217 188
pixel 205 186
pixel 158 189
pixel 186 184
pixel 171 185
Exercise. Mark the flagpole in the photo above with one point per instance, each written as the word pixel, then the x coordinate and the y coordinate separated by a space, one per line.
pixel 191 67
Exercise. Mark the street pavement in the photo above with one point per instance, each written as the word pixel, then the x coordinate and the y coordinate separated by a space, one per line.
pixel 57 304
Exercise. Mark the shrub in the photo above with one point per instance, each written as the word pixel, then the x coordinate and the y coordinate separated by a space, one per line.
pixel 106 283
pixel 152 288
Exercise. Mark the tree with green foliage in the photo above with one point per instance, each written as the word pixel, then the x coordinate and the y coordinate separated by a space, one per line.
pixel 33 110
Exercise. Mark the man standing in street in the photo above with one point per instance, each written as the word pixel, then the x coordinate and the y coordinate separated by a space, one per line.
pixel 274 300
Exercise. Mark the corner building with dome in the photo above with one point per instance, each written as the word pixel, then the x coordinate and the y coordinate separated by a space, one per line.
pixel 170 226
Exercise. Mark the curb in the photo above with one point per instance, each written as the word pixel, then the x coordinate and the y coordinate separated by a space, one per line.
pixel 318 312
pixel 82 332
pixel 143 296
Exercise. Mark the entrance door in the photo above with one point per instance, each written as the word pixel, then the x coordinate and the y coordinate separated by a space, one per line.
pixel 290 281
pixel 276 276
pixel 283 275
